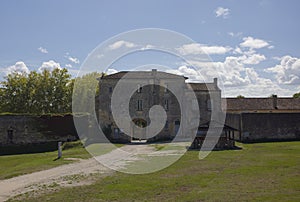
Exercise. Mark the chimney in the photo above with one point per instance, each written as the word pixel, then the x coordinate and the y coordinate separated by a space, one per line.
pixel 274 97
pixel 154 71
pixel 216 82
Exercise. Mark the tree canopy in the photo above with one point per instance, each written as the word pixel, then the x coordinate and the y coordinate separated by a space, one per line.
pixel 85 89
pixel 296 95
pixel 46 92
pixel 240 96
pixel 37 92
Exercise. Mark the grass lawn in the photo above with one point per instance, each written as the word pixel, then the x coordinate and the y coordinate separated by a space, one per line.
pixel 14 165
pixel 258 172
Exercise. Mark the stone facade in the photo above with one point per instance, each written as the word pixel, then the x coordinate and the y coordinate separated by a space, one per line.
pixel 30 129
pixel 156 90
pixel 263 119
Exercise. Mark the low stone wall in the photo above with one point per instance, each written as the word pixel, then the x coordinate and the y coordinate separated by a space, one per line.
pixel 260 127
pixel 30 129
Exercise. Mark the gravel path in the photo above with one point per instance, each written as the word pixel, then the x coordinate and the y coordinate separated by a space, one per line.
pixel 25 183
pixel 115 160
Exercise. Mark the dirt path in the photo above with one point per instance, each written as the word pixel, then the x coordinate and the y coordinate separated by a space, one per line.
pixel 118 158
pixel 80 173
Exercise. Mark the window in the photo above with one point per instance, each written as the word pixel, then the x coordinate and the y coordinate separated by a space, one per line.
pixel 110 89
pixel 166 104
pixel 140 105
pixel 166 88
pixel 116 132
pixel 139 90
pixel 209 105
pixel 167 125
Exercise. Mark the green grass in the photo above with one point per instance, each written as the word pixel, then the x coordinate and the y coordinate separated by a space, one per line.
pixel 14 165
pixel 258 172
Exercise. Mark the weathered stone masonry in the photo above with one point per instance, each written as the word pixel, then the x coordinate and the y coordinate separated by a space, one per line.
pixel 31 129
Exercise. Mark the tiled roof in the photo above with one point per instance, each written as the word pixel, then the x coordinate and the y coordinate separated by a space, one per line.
pixel 203 86
pixel 260 104
pixel 288 103
pixel 116 75
pixel 142 74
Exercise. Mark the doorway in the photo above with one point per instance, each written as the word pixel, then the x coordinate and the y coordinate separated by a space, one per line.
pixel 139 129
pixel 176 127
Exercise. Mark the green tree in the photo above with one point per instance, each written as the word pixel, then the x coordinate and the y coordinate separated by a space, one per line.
pixel 38 93
pixel 86 89
pixel 296 95
pixel 14 92
pixel 240 96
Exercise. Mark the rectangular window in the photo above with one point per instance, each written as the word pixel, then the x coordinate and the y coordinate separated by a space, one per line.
pixel 140 105
pixel 116 132
pixel 166 88
pixel 110 89
pixel 166 104
pixel 209 105
pixel 139 90
pixel 167 125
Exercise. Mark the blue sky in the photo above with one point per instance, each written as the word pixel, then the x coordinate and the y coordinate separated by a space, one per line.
pixel 254 43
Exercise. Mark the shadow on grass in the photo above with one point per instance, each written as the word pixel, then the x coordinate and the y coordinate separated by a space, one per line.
pixel 28 148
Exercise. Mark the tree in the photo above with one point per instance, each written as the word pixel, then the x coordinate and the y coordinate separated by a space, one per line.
pixel 296 95
pixel 240 96
pixel 86 88
pixel 38 93
pixel 14 92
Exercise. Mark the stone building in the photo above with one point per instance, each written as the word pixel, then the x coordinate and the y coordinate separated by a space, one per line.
pixel 171 92
pixel 263 119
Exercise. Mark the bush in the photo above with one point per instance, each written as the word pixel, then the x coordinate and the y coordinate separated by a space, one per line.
pixel 70 145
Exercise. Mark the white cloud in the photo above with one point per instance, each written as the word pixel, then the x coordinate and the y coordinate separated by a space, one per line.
pixel 254 59
pixel 251 75
pixel 196 48
pixel 120 44
pixel 68 66
pixel 288 71
pixel 252 43
pixel 147 47
pixel 222 12
pixel 234 78
pixel 238 50
pixel 238 34
pixel 111 71
pixel 19 67
pixel 50 65
pixel 42 50
pixel 228 71
pixel 73 59
pixel 100 56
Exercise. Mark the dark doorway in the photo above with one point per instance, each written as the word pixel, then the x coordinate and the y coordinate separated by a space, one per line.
pixel 10 135
pixel 139 130
pixel 176 127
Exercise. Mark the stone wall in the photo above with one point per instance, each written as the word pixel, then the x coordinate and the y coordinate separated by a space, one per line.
pixel 258 127
pixel 29 129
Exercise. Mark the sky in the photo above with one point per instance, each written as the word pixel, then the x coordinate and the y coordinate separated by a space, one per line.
pixel 253 45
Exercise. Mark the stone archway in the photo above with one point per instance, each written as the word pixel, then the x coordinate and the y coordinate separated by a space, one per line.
pixel 139 129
